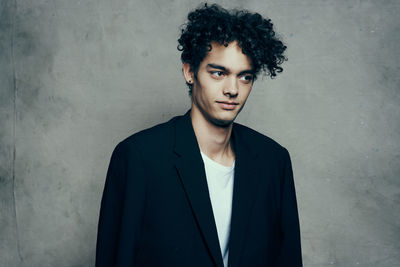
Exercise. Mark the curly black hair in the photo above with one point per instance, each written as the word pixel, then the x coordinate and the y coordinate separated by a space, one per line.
pixel 254 34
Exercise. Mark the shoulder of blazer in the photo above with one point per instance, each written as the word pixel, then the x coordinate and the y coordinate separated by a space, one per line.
pixel 258 142
pixel 154 136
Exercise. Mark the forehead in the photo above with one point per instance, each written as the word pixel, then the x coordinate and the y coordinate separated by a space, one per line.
pixel 230 57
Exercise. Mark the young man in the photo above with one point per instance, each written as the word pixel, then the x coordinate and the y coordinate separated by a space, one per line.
pixel 201 190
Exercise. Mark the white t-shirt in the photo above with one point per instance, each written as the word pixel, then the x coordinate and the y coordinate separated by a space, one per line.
pixel 220 186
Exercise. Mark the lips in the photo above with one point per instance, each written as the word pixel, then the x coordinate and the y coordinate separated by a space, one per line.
pixel 227 105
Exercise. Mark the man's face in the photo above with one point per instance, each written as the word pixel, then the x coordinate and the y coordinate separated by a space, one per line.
pixel 224 81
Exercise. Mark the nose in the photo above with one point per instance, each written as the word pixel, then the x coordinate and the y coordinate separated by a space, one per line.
pixel 231 87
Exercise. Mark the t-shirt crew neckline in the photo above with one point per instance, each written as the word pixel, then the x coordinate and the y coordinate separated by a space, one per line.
pixel 216 165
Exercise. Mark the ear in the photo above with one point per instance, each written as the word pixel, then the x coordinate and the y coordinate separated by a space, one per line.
pixel 189 77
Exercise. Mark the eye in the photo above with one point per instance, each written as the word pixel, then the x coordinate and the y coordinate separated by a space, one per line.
pixel 217 73
pixel 246 78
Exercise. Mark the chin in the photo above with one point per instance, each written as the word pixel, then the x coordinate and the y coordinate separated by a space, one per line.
pixel 223 122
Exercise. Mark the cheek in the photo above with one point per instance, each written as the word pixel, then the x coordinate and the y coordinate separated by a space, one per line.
pixel 206 93
pixel 246 92
pixel 202 96
pixel 207 98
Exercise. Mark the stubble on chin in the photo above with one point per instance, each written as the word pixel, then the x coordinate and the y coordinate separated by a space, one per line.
pixel 222 123
pixel 226 123
pixel 219 122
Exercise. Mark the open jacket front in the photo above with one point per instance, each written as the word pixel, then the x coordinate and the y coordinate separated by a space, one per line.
pixel 156 209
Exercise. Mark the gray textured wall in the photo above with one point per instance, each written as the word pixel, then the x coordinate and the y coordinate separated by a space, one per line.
pixel 76 77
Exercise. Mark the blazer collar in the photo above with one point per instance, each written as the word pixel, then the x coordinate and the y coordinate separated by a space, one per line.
pixel 190 167
pixel 247 173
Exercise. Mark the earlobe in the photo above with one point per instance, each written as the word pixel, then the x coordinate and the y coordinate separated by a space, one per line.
pixel 187 73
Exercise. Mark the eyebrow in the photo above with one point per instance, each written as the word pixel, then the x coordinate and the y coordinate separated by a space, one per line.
pixel 219 67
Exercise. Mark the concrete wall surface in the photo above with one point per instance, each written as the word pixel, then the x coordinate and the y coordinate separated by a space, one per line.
pixel 77 77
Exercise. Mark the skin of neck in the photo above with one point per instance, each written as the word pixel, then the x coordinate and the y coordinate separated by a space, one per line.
pixel 213 140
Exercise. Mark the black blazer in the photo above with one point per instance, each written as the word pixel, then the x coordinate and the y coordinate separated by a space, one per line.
pixel 156 209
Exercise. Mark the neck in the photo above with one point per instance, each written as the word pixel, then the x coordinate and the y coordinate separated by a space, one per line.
pixel 214 140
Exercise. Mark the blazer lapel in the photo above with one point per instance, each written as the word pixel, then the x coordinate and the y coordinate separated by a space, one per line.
pixel 244 191
pixel 190 167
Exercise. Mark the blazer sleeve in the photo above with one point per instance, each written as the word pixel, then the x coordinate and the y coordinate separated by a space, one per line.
pixel 121 208
pixel 290 249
